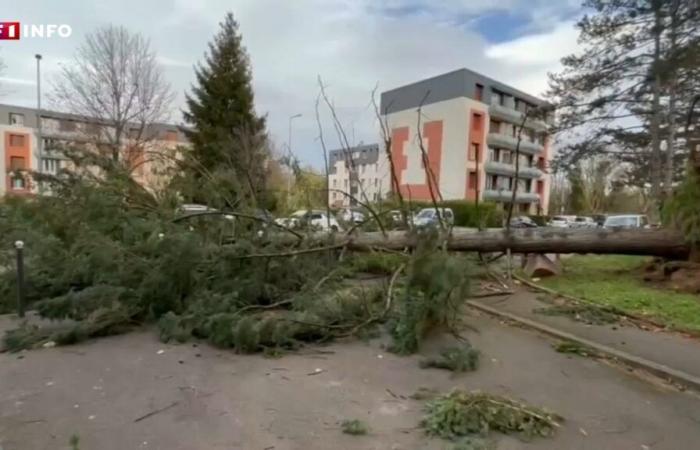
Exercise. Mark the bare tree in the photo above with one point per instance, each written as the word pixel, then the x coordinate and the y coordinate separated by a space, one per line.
pixel 115 82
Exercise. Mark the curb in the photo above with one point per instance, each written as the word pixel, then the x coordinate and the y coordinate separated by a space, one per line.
pixel 660 370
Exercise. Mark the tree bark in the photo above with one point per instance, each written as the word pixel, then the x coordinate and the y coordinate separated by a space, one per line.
pixel 654 242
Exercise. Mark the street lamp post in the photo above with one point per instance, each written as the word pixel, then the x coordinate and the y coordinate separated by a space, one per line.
pixel 19 247
pixel 289 150
pixel 40 141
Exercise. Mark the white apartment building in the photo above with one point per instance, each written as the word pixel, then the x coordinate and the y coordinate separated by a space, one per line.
pixel 359 173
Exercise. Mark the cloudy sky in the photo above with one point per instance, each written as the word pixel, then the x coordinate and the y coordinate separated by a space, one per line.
pixel 352 44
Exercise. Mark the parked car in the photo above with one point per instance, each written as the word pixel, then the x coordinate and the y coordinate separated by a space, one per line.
pixel 349 215
pixel 625 221
pixel 583 222
pixel 559 222
pixel 317 219
pixel 428 216
pixel 288 222
pixel 522 222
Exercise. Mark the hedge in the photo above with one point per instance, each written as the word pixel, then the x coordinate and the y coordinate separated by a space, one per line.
pixel 465 212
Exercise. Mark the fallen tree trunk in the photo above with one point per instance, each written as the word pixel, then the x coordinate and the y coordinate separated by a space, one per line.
pixel 658 242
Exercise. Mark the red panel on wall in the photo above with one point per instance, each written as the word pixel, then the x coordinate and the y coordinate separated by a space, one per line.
pixel 17 148
pixel 476 149
pixel 432 140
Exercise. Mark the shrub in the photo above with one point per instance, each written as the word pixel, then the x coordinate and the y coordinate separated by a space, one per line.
pixel 456 359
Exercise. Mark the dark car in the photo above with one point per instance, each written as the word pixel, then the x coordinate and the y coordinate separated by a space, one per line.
pixel 522 222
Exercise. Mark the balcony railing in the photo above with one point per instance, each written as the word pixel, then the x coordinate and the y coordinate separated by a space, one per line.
pixel 510 143
pixel 505 195
pixel 501 168
pixel 514 116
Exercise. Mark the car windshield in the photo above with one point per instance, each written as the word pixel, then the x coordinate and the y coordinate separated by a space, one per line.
pixel 582 219
pixel 621 221
pixel 559 219
pixel 426 214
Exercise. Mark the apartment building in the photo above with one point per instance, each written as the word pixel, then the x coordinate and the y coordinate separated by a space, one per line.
pixel 469 130
pixel 362 172
pixel 19 146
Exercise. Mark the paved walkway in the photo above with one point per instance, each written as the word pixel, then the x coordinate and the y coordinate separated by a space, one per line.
pixel 669 349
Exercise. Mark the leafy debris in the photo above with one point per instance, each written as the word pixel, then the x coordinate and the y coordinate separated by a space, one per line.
pixel 588 314
pixel 463 358
pixel 354 427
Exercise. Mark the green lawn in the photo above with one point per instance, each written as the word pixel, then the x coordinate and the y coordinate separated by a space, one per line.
pixel 614 281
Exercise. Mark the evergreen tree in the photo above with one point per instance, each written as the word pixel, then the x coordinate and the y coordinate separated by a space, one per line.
pixel 228 141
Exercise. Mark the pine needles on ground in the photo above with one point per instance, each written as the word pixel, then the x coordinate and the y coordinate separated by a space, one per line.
pixel 589 314
pixel 354 427
pixel 464 358
pixel 462 413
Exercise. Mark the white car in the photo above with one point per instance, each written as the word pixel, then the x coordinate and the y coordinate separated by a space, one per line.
pixel 625 221
pixel 558 222
pixel 583 222
pixel 317 219
pixel 428 216
pixel 351 216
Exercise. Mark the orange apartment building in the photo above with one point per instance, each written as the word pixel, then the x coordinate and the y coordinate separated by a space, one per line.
pixel 19 138
pixel 469 126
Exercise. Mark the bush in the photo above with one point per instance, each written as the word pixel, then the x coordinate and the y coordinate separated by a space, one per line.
pixel 466 214
pixel 456 359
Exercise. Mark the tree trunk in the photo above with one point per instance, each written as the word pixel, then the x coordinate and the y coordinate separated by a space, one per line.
pixel 659 242
pixel 655 174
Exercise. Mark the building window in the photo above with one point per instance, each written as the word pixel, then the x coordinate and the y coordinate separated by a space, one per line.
pixel 51 165
pixel 18 183
pixel 479 92
pixel 17 119
pixel 376 182
pixel 335 183
pixel 506 157
pixel 541 164
pixel 494 126
pixel 16 140
pixel 16 163
pixel 476 121
pixel 498 98
pixel 472 179
pixel 93 129
pixel 66 125
pixel 492 182
pixel 540 187
pixel 525 208
pixel 346 183
pixel 493 154
pixel 542 138
pixel 474 152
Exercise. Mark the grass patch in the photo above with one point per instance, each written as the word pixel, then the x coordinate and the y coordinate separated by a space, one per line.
pixel 467 414
pixel 456 359
pixel 354 427
pixel 612 281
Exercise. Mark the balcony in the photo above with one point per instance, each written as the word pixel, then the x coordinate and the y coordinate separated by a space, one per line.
pixel 510 143
pixel 512 115
pixel 505 195
pixel 501 168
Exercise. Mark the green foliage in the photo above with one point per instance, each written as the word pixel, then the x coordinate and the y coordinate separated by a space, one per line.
pixel 435 288
pixel 466 213
pixel 462 413
pixel 464 358
pixel 474 443
pixel 376 263
pixel 74 442
pixel 682 211
pixel 589 314
pixel 615 282
pixel 354 427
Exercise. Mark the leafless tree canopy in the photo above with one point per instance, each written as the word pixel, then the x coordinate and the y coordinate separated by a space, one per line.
pixel 115 79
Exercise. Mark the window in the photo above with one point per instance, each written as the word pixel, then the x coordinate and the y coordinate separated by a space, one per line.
pixel 474 152
pixel 494 126
pixel 134 133
pixel 51 165
pixel 93 129
pixel 16 119
pixel 376 182
pixel 16 163
pixel 335 183
pixel 540 187
pixel 66 125
pixel 525 208
pixel 493 154
pixel 541 164
pixel 16 140
pixel 506 157
pixel 18 183
pixel 491 182
pixel 479 92
pixel 346 183
pixel 498 98
pixel 476 121
pixel 472 179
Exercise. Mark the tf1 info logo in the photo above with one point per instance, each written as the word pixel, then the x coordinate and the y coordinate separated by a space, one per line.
pixel 13 31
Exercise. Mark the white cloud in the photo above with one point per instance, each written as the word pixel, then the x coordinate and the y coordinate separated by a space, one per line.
pixel 542 48
pixel 17 81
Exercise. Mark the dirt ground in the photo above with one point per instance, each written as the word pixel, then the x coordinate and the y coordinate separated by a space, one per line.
pixel 215 399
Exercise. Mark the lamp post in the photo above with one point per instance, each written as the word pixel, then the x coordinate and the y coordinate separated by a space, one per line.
pixel 289 149
pixel 19 246
pixel 40 141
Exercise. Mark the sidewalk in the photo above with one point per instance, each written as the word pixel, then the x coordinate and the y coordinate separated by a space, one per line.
pixel 667 349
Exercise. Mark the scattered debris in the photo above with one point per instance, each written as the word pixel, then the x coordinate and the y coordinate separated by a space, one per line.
pixel 160 352
pixel 49 344
pixel 157 411
pixel 474 443
pixel 589 314
pixel 74 442
pixel 424 393
pixel 575 348
pixel 315 372
pixel 464 358
pixel 354 427
pixel 462 413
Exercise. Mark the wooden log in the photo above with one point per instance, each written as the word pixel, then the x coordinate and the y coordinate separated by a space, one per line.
pixel 652 242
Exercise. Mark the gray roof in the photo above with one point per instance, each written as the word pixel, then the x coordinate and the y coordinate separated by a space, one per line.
pixel 361 154
pixel 459 83
pixel 30 118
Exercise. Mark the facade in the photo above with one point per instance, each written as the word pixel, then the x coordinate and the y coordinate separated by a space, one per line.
pixel 362 172
pixel 469 126
pixel 19 149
